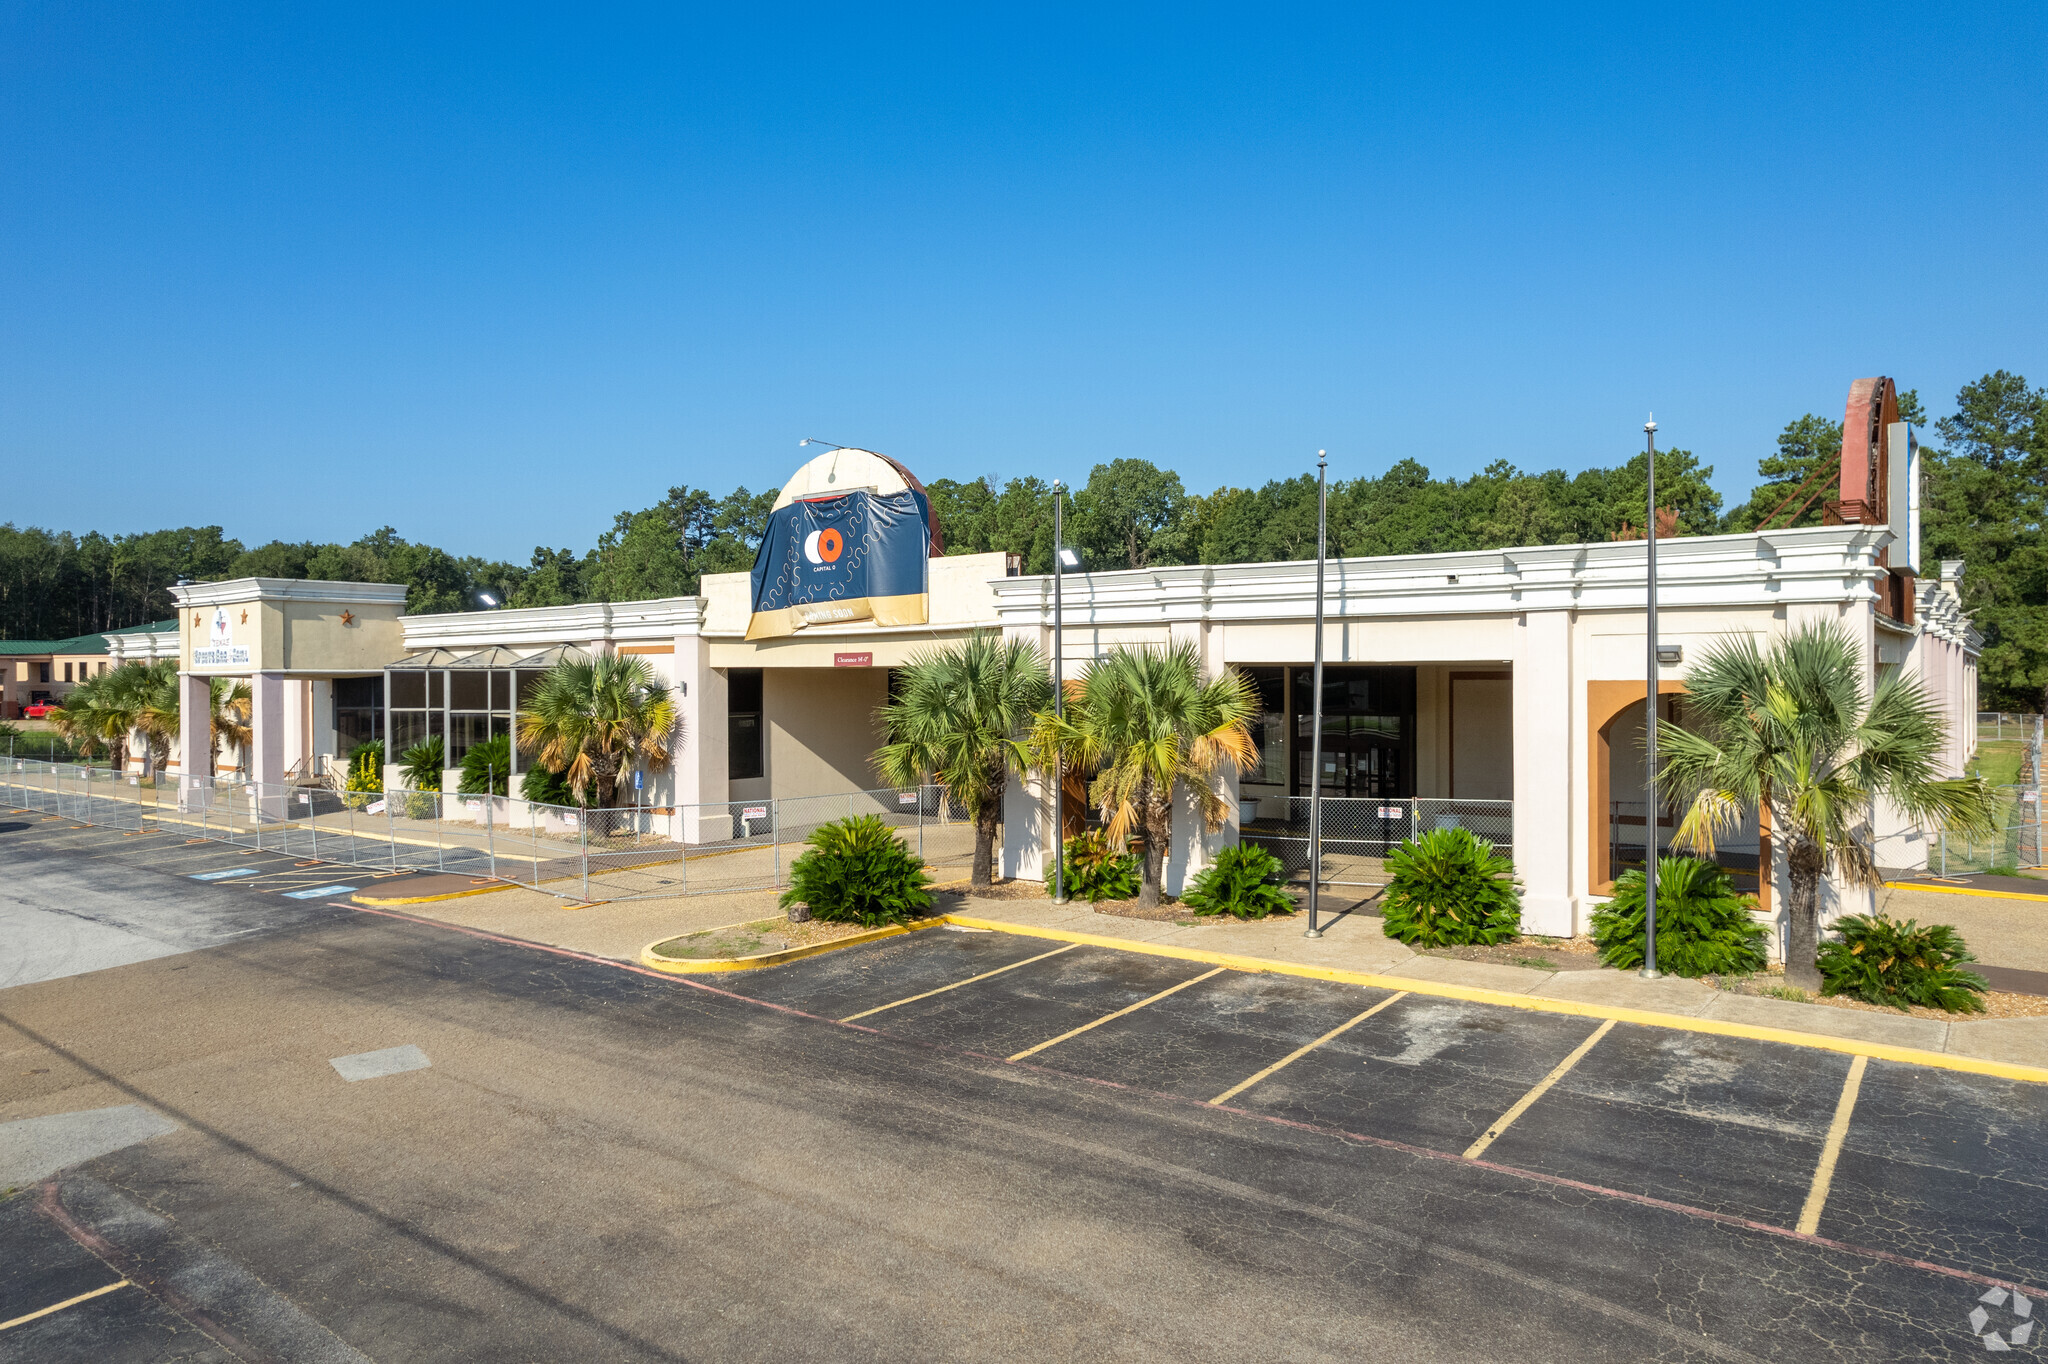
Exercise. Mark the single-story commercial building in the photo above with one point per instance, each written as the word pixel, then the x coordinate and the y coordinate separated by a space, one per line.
pixel 37 671
pixel 1502 690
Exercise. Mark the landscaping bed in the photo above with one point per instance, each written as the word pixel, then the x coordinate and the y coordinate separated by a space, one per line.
pixel 1771 985
pixel 1535 953
pixel 752 939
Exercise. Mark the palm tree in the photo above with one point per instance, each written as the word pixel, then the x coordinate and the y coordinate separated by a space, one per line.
pixel 960 716
pixel 1790 730
pixel 155 700
pixel 596 719
pixel 1144 720
pixel 81 721
pixel 230 720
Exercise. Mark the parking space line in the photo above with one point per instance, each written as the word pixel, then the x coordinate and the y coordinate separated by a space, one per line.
pixel 880 1008
pixel 60 1306
pixel 1831 1149
pixel 1291 1057
pixel 1107 1018
pixel 1542 1086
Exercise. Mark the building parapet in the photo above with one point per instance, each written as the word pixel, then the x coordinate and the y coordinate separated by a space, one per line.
pixel 1811 564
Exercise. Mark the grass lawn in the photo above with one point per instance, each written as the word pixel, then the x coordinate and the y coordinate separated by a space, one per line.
pixel 1998 760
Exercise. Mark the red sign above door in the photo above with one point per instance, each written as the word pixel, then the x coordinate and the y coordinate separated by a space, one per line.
pixel 853 660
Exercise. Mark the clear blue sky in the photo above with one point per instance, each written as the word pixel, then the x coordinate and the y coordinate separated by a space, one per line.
pixel 492 276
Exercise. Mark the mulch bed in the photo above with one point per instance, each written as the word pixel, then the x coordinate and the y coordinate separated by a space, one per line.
pixel 1537 954
pixel 1770 984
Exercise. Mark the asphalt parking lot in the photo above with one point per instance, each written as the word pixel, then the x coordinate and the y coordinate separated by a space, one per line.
pixel 951 1144
pixel 1932 1165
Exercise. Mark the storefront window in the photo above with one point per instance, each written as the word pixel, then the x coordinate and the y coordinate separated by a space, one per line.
pixel 743 724
pixel 1269 729
pixel 358 712
pixel 1368 731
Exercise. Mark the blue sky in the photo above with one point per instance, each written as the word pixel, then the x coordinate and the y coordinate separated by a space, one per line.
pixel 492 275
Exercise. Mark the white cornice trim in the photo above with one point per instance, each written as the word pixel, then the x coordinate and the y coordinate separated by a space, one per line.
pixel 288 589
pixel 1814 564
pixel 582 624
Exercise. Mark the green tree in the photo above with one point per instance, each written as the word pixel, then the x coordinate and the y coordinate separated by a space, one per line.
pixel 1792 730
pixel 1144 722
pixel 960 717
pixel 594 721
pixel 1129 515
pixel 1986 497
pixel 1806 445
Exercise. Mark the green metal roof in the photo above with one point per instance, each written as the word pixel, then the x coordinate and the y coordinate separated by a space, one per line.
pixel 82 644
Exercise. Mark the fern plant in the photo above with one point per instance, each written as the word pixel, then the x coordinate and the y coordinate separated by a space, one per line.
pixel 1098 869
pixel 1449 889
pixel 1897 963
pixel 858 871
pixel 487 767
pixel 1241 882
pixel 1704 927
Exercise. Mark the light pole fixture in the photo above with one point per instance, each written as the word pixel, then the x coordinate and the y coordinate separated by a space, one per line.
pixel 1063 559
pixel 829 445
pixel 487 599
pixel 1650 800
pixel 1315 756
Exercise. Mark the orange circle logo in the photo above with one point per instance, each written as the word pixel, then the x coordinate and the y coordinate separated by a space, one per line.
pixel 830 545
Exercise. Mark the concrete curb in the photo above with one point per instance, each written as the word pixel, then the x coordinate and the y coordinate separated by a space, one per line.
pixel 430 899
pixel 1961 890
pixel 1880 1051
pixel 679 967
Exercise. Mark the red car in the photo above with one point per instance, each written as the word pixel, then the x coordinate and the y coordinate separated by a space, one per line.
pixel 36 710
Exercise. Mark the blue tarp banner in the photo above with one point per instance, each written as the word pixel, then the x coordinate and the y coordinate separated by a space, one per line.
pixel 856 556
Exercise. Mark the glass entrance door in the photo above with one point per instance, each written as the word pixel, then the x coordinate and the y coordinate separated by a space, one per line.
pixel 1368 731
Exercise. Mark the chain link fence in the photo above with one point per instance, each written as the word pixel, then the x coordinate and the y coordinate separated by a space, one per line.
pixel 2012 845
pixel 1359 832
pixel 633 852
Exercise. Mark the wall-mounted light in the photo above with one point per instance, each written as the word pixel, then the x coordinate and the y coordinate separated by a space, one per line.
pixel 1670 655
pixel 1069 557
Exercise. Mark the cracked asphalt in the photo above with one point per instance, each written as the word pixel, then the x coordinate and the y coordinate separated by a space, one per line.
pixel 601 1163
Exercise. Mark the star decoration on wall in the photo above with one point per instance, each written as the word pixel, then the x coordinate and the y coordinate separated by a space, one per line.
pixel 348 617
pixel 245 621
pixel 196 618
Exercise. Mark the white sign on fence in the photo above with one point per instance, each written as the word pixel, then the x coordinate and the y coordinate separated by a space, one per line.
pixel 754 812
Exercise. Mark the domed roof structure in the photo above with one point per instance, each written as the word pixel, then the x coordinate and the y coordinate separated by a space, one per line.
pixel 847 470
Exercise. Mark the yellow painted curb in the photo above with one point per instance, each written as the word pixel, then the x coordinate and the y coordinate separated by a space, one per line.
pixel 1963 890
pixel 1477 995
pixel 680 967
pixel 430 899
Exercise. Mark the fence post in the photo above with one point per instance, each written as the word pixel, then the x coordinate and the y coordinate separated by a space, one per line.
pixel 312 822
pixel 583 849
pixel 775 839
pixel 391 829
pixel 920 824
pixel 490 833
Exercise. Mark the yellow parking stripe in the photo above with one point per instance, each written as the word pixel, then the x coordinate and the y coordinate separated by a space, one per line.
pixel 1291 1057
pixel 881 1008
pixel 1831 1150
pixel 60 1306
pixel 1107 1018
pixel 1506 1120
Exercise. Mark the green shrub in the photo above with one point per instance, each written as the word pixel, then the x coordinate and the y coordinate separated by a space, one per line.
pixel 425 764
pixel 543 787
pixel 858 871
pixel 1241 882
pixel 365 775
pixel 487 767
pixel 1889 961
pixel 1703 925
pixel 1096 870
pixel 1448 889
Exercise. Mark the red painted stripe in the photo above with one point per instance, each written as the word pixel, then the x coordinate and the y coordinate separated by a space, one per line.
pixel 1319 1129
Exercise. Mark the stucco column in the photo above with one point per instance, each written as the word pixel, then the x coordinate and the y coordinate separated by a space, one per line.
pixel 195 739
pixel 267 725
pixel 700 758
pixel 1550 781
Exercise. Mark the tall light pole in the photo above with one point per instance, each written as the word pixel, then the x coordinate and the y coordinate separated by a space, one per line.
pixel 1059 705
pixel 1315 758
pixel 1650 801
